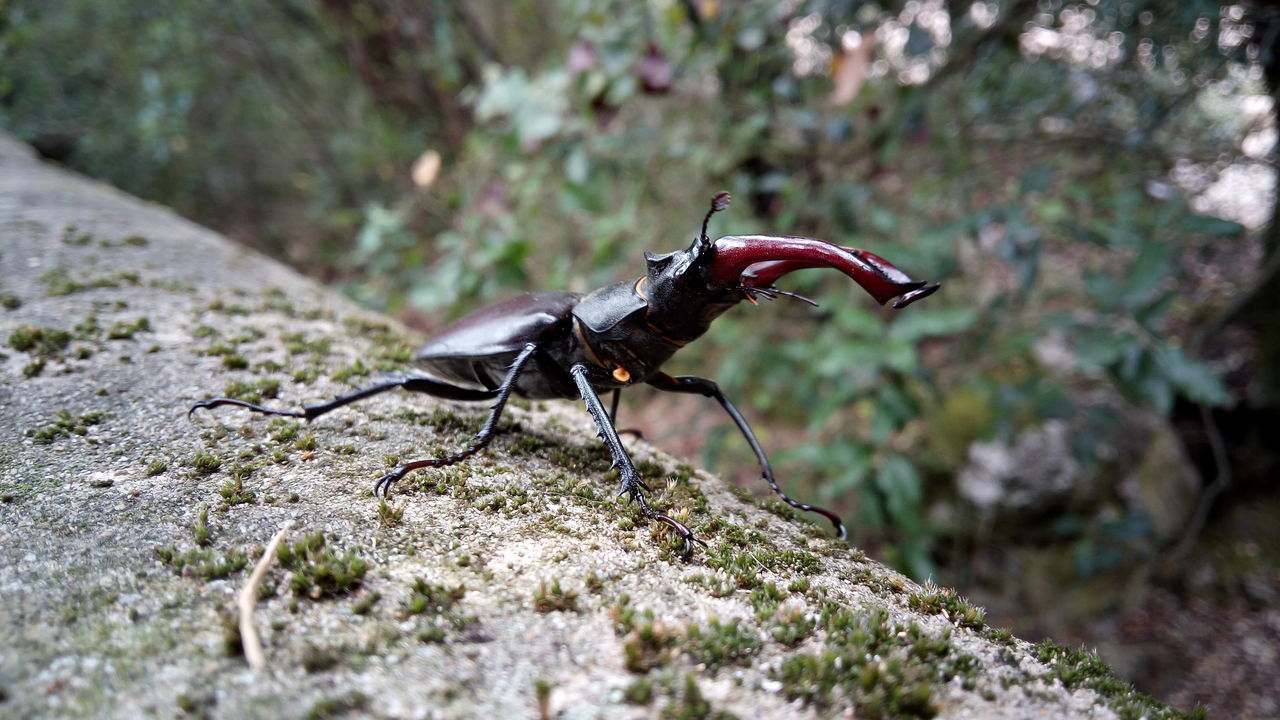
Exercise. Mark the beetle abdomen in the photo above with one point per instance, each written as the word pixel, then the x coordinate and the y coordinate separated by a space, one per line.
pixel 503 328
pixel 476 349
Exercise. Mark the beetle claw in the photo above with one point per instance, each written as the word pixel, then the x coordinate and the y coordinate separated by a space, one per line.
pixel 382 488
pixel 633 487
pixel 219 402
pixel 681 529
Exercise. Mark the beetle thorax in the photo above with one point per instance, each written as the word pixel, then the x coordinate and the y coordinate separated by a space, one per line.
pixel 628 332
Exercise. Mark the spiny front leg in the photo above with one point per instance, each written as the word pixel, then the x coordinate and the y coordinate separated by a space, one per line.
pixel 383 486
pixel 632 486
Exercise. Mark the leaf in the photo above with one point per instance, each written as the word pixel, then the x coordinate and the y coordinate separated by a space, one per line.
pixel 897 403
pixel 1052 211
pixel 1102 287
pixel 1090 234
pixel 900 356
pixel 1141 378
pixel 915 560
pixel 1209 225
pixel 1156 389
pixel 1150 314
pixel 852 459
pixel 1194 379
pixel 932 322
pixel 1148 269
pixel 898 482
pixel 1096 347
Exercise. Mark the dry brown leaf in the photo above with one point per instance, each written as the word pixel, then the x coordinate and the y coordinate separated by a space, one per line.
pixel 849 70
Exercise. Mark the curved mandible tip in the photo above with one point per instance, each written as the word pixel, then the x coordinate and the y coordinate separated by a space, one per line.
pixel 915 295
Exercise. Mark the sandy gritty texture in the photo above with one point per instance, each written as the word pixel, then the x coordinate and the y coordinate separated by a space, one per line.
pixel 104 481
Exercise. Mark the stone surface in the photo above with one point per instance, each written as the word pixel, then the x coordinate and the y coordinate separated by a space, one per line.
pixel 119 315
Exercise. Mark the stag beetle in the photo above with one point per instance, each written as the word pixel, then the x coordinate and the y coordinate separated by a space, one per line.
pixel 569 345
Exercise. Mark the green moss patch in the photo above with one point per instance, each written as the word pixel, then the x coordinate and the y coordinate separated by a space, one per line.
pixel 639 692
pixel 935 600
pixel 437 605
pixel 297 343
pixel 430 599
pixel 718 644
pixel 233 492
pixel 793 627
pixel 59 281
pixel 554 597
pixel 252 391
pixel 205 462
pixel 649 645
pixel 124 330
pixel 39 341
pixel 886 669
pixel 744 565
pixel 337 706
pixel 390 515
pixel 65 425
pixel 690 704
pixel 1082 669
pixel 319 571
pixel 200 563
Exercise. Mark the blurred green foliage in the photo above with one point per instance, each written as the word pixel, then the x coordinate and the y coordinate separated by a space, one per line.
pixel 1034 157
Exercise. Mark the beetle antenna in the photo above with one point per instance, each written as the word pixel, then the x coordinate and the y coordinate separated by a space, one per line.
pixel 796 296
pixel 718 203
pixel 771 293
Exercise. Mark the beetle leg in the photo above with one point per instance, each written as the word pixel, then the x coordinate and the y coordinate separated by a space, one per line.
pixel 613 418
pixel 632 487
pixel 383 485
pixel 708 388
pixel 310 412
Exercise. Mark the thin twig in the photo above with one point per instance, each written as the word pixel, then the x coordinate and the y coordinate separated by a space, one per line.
pixel 1205 502
pixel 248 598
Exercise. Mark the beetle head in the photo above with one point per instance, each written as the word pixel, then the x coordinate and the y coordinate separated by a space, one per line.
pixel 687 289
pixel 683 300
